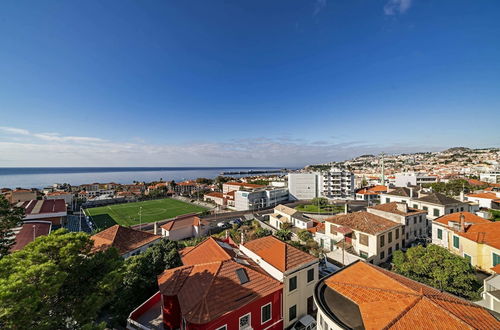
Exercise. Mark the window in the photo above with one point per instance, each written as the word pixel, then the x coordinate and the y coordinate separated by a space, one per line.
pixel 456 242
pixel 224 327
pixel 363 254
pixel 436 212
pixel 440 233
pixel 389 251
pixel 451 211
pixel 310 275
pixel 387 200
pixel 265 313
pixel 425 208
pixel 245 321
pixel 397 233
pixel 397 246
pixel 462 209
pixel 332 230
pixel 292 313
pixel 292 284
pixel 407 235
pixel 468 258
pixel 415 220
pixel 420 232
pixel 496 259
pixel 382 255
pixel 382 240
pixel 389 237
pixel 363 239
pixel 415 206
pixel 419 219
pixel 407 221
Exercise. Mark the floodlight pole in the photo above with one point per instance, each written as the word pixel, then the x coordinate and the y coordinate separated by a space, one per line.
pixel 140 218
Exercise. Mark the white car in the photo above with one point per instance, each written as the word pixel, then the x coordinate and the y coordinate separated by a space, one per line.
pixel 306 322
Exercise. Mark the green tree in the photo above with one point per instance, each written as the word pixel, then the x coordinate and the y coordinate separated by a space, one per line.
pixel 261 232
pixel 57 282
pixel 10 217
pixel 284 234
pixel 439 268
pixel 140 278
pixel 321 201
pixel 304 235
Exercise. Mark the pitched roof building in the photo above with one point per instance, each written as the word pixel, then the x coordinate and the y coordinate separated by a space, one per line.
pixel 53 210
pixel 363 296
pixel 182 227
pixel 28 232
pixel 128 241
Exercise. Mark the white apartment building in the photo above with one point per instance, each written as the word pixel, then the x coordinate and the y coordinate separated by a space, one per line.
pixel 284 214
pixel 414 221
pixel 297 270
pixel 332 184
pixel 492 176
pixel 406 179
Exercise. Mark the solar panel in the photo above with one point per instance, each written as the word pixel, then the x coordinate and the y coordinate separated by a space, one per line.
pixel 242 275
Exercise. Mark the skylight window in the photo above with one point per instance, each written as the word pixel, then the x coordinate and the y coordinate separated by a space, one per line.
pixel 242 275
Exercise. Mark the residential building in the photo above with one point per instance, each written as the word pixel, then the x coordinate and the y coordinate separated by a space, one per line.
pixel 284 214
pixel 297 270
pixel 364 234
pixel 491 291
pixel 414 221
pixel 67 196
pixel 304 186
pixel 370 194
pixel 128 241
pixel 182 227
pixel 436 204
pixel 469 236
pixel 337 184
pixel 491 176
pixel 413 179
pixel 233 186
pixel 20 195
pixel 487 199
pixel 216 197
pixel 53 210
pixel 28 232
pixel 218 287
pixel 364 296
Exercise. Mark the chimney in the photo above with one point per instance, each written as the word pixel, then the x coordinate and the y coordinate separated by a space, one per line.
pixel 462 196
pixel 402 207
pixel 242 239
pixel 411 192
pixel 462 222
pixel 155 228
pixel 227 234
pixel 346 208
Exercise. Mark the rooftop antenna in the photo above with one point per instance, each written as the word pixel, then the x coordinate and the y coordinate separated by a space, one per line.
pixel 383 170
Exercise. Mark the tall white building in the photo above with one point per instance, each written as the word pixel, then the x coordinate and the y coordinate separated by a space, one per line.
pixel 332 184
pixel 413 179
pixel 492 176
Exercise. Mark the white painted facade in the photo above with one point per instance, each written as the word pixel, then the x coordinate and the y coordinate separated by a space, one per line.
pixel 303 186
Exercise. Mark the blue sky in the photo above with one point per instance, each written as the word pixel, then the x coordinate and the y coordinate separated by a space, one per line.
pixel 215 83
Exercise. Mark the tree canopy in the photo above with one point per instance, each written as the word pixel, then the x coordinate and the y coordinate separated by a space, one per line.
pixel 56 282
pixel 439 268
pixel 10 217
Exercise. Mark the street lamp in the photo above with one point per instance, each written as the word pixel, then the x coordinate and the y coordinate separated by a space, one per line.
pixel 140 218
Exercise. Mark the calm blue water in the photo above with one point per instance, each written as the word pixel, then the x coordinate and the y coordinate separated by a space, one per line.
pixel 39 177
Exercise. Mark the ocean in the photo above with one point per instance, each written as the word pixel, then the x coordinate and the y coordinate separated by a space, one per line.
pixel 40 177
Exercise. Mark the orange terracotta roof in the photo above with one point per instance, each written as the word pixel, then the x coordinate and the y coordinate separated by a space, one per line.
pixel 207 291
pixel 475 182
pixel 123 238
pixel 182 221
pixel 393 208
pixel 496 269
pixel 364 222
pixel 210 250
pixel 57 193
pixel 487 195
pixel 390 301
pixel 215 194
pixel 455 217
pixel 187 183
pixel 279 254
pixel 484 233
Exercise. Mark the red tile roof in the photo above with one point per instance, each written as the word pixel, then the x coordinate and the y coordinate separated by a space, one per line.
pixel 207 291
pixel 393 208
pixel 279 254
pixel 182 221
pixel 484 233
pixel 487 195
pixel 28 230
pixel 455 217
pixel 390 301
pixel 241 184
pixel 364 222
pixel 215 194
pixel 210 250
pixel 496 269
pixel 43 206
pixel 123 238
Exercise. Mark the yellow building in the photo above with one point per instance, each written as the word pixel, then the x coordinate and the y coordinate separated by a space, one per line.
pixel 471 237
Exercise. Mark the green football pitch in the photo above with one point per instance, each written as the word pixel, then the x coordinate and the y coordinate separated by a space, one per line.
pixel 128 214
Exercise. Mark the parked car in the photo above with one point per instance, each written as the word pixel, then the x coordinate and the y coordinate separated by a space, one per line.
pixel 236 222
pixel 306 322
pixel 223 225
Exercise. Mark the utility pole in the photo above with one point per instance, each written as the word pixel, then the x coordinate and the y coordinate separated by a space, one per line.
pixel 140 218
pixel 34 232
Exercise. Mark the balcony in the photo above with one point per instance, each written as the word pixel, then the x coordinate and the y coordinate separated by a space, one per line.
pixel 147 316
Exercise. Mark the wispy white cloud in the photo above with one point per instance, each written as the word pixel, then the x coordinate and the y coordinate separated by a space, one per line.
pixel 318 6
pixel 394 7
pixel 53 149
pixel 13 130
